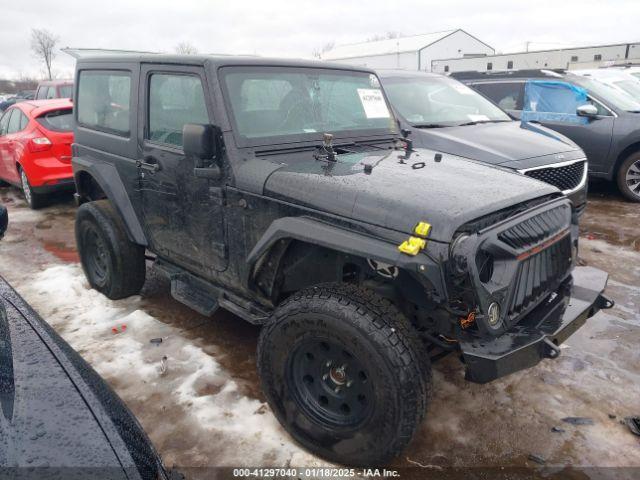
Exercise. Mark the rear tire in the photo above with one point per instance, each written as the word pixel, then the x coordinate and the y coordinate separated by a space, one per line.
pixel 628 177
pixel 339 336
pixel 113 264
pixel 34 200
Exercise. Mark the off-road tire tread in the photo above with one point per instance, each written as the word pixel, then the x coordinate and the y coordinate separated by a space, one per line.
pixel 402 346
pixel 129 267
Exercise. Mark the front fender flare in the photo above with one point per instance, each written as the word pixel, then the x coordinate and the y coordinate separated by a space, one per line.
pixel 316 232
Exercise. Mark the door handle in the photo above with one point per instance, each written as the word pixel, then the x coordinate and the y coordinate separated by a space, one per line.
pixel 150 164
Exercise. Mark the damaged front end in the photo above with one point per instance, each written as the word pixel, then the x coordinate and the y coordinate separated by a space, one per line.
pixel 524 296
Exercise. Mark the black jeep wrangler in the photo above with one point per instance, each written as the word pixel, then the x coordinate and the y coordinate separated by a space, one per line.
pixel 283 192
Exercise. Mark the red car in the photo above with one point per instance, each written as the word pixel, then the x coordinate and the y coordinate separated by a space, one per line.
pixel 35 148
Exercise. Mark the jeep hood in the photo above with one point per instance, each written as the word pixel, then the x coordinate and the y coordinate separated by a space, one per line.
pixel 400 191
pixel 496 143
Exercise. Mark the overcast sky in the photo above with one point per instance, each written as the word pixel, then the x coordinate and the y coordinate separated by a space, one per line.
pixel 296 28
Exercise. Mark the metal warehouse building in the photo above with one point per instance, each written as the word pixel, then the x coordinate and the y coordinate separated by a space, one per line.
pixel 416 52
pixel 566 58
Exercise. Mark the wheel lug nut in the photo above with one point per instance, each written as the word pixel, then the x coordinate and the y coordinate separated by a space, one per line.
pixel 328 363
pixel 325 376
pixel 337 390
pixel 349 383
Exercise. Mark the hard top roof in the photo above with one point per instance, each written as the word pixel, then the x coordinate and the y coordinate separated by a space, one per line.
pixel 215 60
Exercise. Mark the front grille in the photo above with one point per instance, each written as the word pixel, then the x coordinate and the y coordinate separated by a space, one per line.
pixel 537 228
pixel 565 177
pixel 539 273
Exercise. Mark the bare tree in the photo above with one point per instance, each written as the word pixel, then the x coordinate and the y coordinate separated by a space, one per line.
pixel 43 43
pixel 186 48
pixel 318 52
pixel 386 36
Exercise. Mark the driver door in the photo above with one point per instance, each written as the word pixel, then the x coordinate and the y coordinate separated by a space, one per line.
pixel 183 214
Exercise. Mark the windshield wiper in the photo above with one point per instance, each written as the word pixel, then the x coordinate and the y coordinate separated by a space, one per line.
pixel 430 125
pixel 476 122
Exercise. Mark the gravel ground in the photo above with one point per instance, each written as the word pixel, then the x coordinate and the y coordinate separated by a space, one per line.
pixel 207 408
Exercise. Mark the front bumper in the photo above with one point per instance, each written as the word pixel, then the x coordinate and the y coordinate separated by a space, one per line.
pixel 538 335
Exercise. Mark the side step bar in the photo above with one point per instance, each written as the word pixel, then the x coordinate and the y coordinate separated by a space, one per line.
pixel 205 298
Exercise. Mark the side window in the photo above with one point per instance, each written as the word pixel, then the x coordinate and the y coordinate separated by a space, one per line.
pixel 42 93
pixel 507 95
pixel 4 122
pixel 174 100
pixel 103 101
pixel 66 91
pixel 14 121
pixel 601 110
pixel 23 121
pixel 51 93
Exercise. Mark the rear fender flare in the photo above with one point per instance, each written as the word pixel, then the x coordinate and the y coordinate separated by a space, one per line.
pixel 107 177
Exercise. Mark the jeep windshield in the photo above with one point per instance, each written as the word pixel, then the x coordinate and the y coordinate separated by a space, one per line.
pixel 434 102
pixel 275 105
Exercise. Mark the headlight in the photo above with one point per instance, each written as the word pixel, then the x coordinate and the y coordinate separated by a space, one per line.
pixel 458 254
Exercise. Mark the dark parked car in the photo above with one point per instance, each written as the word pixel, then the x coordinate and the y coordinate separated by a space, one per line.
pixel 50 89
pixel 445 115
pixel 606 126
pixel 58 418
pixel 280 191
pixel 18 97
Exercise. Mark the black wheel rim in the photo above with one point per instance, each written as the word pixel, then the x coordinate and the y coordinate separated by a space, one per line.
pixel 97 256
pixel 329 384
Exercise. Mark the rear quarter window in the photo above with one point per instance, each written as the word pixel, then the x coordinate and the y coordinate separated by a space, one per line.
pixel 57 120
pixel 66 91
pixel 103 101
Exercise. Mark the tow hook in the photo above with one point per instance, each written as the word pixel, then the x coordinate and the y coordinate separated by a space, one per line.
pixel 605 303
pixel 551 349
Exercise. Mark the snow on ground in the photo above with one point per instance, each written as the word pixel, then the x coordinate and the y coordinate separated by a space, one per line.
pixel 87 319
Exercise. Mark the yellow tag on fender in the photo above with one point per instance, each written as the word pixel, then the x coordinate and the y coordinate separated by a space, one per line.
pixel 422 229
pixel 412 246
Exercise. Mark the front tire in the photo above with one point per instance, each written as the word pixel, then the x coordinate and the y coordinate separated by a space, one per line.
pixel 628 177
pixel 113 264
pixel 345 374
pixel 34 200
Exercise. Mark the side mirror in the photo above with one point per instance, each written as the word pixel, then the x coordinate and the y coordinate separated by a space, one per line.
pixel 4 220
pixel 588 110
pixel 199 141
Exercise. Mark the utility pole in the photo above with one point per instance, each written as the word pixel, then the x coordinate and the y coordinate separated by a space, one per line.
pixel 527 45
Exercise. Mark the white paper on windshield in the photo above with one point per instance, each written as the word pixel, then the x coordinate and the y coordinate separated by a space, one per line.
pixel 373 103
pixel 477 118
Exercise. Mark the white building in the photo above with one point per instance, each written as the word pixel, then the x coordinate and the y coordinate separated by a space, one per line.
pixel 416 52
pixel 565 58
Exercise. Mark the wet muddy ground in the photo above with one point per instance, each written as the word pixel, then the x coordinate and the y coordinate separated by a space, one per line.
pixel 205 407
